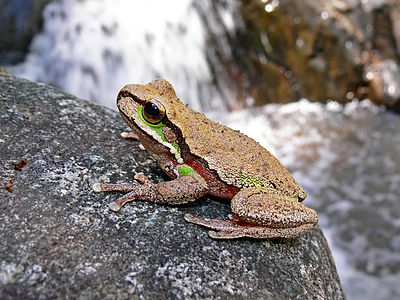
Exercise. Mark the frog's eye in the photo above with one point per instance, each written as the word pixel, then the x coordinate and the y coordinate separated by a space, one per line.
pixel 153 111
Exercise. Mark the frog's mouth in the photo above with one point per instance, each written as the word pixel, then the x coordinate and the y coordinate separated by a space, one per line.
pixel 129 121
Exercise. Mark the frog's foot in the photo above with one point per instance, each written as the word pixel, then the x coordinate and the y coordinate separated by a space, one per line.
pixel 129 135
pixel 134 190
pixel 117 204
pixel 230 229
pixel 178 191
pixel 226 229
pixel 134 136
pixel 121 187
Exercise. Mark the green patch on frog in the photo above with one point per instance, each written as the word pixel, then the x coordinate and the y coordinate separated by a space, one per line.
pixel 252 181
pixel 185 170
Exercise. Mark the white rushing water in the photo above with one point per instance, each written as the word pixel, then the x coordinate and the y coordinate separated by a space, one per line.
pixel 346 157
pixel 92 48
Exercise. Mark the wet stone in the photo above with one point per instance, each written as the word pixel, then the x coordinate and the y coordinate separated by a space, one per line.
pixel 60 240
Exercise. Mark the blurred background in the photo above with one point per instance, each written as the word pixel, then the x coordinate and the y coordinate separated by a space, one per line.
pixel 316 82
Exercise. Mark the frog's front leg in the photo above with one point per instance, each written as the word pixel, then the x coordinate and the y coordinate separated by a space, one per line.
pixel 187 187
pixel 261 213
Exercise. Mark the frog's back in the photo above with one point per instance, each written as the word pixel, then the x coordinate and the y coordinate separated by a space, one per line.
pixel 238 159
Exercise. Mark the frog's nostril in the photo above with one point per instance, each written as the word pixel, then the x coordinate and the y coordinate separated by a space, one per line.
pixel 122 94
pixel 301 195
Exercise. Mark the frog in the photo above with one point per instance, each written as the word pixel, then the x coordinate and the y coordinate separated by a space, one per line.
pixel 205 157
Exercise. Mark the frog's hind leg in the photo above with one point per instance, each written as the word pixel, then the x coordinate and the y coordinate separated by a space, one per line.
pixel 230 229
pixel 225 229
pixel 261 213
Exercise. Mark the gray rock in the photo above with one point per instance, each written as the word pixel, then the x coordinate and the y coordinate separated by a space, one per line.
pixel 59 240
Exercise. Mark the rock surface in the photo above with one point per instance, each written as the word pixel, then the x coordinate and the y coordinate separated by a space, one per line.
pixel 58 238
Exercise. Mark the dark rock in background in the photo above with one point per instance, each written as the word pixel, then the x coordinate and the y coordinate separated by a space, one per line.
pixel 20 20
pixel 281 51
pixel 58 239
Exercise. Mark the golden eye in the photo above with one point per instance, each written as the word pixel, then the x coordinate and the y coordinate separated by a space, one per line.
pixel 153 111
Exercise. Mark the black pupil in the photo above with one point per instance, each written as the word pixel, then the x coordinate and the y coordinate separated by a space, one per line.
pixel 151 109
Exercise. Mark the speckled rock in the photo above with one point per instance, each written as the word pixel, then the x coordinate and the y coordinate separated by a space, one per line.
pixel 59 240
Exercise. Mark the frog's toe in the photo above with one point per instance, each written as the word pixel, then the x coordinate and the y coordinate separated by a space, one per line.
pixel 114 207
pixel 142 178
pixel 224 235
pixel 196 220
pixel 97 187
pixel 129 135
pixel 188 218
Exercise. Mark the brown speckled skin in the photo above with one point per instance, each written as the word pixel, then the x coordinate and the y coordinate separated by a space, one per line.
pixel 227 151
pixel 265 197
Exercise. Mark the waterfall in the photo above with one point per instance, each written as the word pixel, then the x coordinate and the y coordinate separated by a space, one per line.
pixel 92 48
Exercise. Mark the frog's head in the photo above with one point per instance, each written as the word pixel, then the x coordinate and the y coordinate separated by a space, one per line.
pixel 149 108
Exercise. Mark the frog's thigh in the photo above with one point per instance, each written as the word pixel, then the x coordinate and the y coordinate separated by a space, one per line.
pixel 269 207
pixel 261 213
